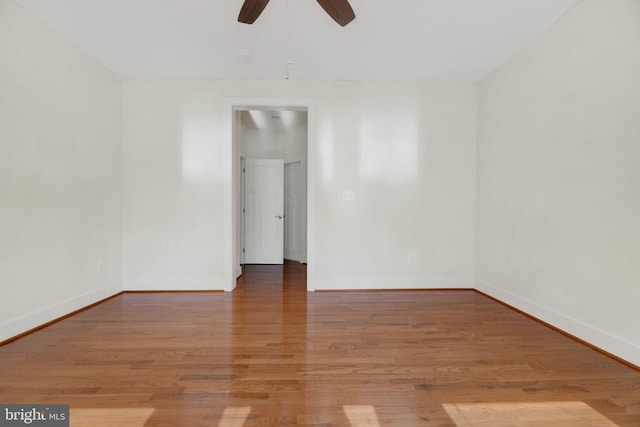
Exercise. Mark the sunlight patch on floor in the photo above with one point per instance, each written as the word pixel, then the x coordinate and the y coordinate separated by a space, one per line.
pixel 524 414
pixel 361 415
pixel 111 417
pixel 234 416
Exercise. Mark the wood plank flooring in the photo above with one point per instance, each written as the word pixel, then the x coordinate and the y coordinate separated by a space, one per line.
pixel 272 354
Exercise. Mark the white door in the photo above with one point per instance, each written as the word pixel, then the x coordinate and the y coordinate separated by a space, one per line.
pixel 264 212
pixel 293 211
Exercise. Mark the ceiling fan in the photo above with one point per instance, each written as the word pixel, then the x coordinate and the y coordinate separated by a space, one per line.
pixel 339 10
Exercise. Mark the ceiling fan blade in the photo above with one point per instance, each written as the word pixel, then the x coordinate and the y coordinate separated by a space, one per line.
pixel 339 10
pixel 250 11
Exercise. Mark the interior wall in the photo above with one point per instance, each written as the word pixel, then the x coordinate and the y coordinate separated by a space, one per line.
pixel 558 179
pixel 60 166
pixel 403 153
pixel 289 144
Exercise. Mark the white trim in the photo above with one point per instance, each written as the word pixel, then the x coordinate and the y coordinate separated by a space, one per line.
pixel 297 257
pixel 19 325
pixel 232 104
pixel 227 216
pixel 174 285
pixel 591 334
pixel 242 184
pixel 391 283
pixel 312 164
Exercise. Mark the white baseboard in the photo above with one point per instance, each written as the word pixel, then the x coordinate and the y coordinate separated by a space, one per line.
pixel 174 285
pixel 361 283
pixel 594 336
pixel 34 319
pixel 590 334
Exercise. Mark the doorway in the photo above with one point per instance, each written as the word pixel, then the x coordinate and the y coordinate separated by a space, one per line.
pixel 295 148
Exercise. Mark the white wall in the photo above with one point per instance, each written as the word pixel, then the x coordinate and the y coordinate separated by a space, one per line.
pixel 558 231
pixel 60 172
pixel 407 150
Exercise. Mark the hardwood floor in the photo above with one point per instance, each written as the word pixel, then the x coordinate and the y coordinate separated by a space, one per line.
pixel 272 354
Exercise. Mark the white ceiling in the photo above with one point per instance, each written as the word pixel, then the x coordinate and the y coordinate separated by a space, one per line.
pixel 414 40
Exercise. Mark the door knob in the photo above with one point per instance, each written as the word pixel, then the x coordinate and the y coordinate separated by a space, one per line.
pixel 278 216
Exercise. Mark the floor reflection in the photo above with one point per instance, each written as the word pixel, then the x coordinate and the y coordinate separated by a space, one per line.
pixel 269 337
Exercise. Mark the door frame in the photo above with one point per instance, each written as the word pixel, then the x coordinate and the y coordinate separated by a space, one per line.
pixel 300 227
pixel 231 181
pixel 242 211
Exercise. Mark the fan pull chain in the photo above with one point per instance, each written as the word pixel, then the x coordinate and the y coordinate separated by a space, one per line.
pixel 288 42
